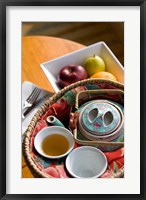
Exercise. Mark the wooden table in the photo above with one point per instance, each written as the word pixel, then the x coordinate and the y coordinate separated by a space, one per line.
pixel 36 50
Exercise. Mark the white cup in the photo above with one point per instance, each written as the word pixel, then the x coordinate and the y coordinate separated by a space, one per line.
pixel 86 162
pixel 50 131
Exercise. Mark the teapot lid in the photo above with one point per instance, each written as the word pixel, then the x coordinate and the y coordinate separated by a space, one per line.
pixel 100 118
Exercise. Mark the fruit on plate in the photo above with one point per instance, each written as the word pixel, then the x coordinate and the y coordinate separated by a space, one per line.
pixel 94 64
pixel 70 74
pixel 106 75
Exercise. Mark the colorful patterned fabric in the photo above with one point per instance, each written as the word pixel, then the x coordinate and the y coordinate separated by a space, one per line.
pixel 62 109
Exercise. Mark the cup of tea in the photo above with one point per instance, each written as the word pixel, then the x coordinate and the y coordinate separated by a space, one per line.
pixel 54 142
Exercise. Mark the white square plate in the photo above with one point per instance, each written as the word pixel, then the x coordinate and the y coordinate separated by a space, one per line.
pixel 52 68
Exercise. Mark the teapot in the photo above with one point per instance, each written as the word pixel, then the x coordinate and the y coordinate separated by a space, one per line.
pixel 99 122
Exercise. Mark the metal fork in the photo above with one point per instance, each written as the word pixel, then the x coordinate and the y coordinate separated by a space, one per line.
pixel 32 98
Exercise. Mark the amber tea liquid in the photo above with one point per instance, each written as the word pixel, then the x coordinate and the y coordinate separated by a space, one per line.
pixel 55 145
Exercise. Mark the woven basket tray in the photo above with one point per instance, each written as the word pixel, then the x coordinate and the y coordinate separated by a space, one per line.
pixel 32 158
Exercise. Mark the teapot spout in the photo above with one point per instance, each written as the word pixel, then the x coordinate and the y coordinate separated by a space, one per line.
pixel 54 121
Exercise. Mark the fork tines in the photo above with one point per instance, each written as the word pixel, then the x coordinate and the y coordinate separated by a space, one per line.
pixel 33 96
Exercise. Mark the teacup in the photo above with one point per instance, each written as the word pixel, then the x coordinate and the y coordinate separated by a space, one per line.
pixel 86 162
pixel 54 142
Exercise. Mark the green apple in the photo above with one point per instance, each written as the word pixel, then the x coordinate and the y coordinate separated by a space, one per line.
pixel 94 64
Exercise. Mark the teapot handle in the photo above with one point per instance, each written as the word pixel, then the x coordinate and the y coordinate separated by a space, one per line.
pixel 94 143
pixel 100 91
